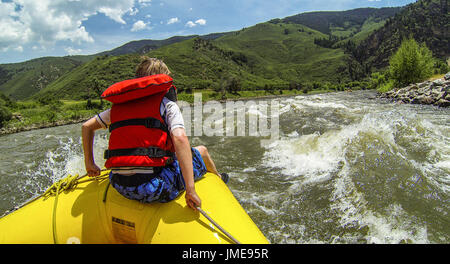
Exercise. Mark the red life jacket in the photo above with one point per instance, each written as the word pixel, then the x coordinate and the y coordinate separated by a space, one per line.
pixel 139 135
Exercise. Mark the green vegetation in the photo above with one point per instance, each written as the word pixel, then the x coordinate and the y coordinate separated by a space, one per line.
pixel 21 80
pixel 92 78
pixel 425 20
pixel 44 113
pixel 5 113
pixel 342 23
pixel 411 63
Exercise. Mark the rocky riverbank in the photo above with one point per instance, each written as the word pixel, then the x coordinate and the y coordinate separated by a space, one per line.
pixel 435 92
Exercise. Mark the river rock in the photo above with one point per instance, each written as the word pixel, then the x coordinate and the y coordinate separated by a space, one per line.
pixel 442 103
pixel 438 82
pixel 429 92
pixel 447 76
pixel 424 84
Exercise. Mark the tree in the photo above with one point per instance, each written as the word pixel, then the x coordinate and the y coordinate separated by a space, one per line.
pixel 412 63
pixel 233 85
pixel 5 115
pixel 98 86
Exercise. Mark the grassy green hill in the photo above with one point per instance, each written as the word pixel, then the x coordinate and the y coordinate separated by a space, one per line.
pixel 262 55
pixel 342 23
pixel 25 79
pixel 272 54
pixel 285 53
pixel 91 78
pixel 146 45
pixel 20 80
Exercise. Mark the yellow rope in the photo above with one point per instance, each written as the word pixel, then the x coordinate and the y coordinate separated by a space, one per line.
pixel 62 185
pixel 65 184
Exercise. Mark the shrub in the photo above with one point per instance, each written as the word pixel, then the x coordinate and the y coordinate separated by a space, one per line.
pixel 377 79
pixel 5 115
pixel 411 63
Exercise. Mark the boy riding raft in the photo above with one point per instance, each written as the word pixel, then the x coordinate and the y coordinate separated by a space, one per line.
pixel 149 154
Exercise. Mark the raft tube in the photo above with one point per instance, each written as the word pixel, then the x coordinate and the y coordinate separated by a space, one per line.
pixel 92 212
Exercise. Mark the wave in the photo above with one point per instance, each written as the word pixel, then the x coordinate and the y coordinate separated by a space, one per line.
pixel 366 165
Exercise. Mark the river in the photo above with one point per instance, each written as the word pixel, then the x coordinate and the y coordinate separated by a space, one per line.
pixel 345 168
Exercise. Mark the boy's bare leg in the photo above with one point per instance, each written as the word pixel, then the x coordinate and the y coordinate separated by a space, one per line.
pixel 209 163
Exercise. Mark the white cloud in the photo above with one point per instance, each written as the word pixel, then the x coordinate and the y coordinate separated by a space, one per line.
pixel 145 2
pixel 200 21
pixel 139 25
pixel 47 21
pixel 19 48
pixel 72 51
pixel 133 11
pixel 13 30
pixel 173 20
pixel 190 24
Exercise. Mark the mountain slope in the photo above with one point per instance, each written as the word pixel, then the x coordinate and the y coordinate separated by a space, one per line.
pixel 341 23
pixel 286 52
pixel 146 45
pixel 265 54
pixel 25 79
pixel 20 80
pixel 428 21
pixel 91 78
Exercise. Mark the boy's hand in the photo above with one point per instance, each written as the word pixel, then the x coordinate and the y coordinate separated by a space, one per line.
pixel 192 200
pixel 92 170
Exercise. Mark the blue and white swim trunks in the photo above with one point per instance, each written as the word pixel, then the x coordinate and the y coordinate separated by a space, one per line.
pixel 163 185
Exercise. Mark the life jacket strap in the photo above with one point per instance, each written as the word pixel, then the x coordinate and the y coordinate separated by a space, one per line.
pixel 171 94
pixel 147 122
pixel 151 152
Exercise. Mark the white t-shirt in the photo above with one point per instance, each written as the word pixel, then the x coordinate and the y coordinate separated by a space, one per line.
pixel 171 114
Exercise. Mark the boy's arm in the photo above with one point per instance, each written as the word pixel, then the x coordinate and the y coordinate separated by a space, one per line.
pixel 87 135
pixel 184 156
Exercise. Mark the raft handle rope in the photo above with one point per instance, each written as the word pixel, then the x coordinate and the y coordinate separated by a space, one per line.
pixel 65 184
pixel 217 225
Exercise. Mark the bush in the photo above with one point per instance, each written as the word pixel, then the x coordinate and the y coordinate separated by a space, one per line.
pixel 441 67
pixel 377 79
pixel 4 100
pixel 233 85
pixel 412 63
pixel 48 100
pixel 5 115
pixel 387 86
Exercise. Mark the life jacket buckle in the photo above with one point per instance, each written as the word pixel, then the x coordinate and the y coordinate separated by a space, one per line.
pixel 150 123
pixel 151 152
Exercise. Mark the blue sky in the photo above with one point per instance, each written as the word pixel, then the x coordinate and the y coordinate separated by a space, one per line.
pixel 37 28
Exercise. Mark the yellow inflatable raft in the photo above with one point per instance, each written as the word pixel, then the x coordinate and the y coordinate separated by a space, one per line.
pixel 83 210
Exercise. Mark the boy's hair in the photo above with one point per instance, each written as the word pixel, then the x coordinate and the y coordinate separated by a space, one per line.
pixel 151 66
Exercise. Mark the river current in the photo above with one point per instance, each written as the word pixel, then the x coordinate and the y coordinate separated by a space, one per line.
pixel 345 168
